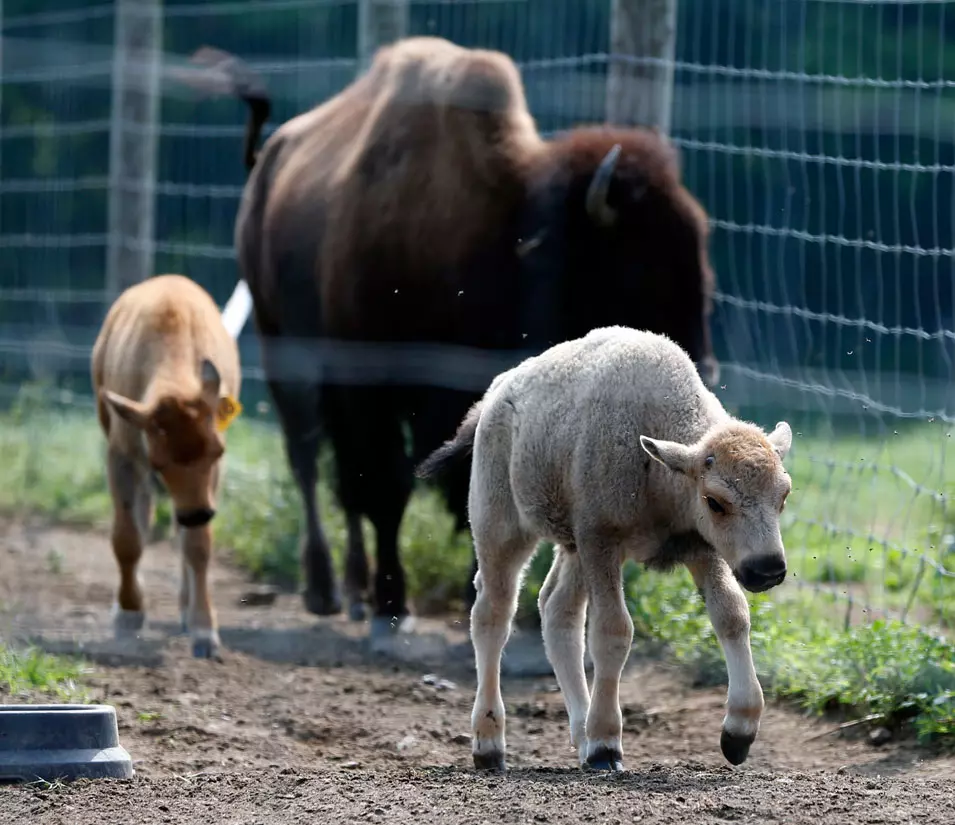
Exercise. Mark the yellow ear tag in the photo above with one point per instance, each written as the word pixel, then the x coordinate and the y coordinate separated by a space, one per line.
pixel 226 412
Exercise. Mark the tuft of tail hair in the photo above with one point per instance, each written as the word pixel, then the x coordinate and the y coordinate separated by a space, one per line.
pixel 456 448
pixel 226 73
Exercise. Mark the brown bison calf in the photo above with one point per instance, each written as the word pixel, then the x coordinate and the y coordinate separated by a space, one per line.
pixel 166 377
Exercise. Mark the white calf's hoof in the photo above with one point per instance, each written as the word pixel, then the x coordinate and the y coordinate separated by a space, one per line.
pixel 602 756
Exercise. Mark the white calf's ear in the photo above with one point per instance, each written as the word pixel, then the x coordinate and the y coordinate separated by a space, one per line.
pixel 781 438
pixel 671 454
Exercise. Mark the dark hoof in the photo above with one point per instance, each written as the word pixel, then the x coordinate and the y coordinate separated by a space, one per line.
pixel 735 748
pixel 605 759
pixel 320 605
pixel 205 649
pixel 489 762
pixel 357 612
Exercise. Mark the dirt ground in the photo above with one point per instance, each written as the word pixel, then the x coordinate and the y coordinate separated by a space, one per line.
pixel 301 722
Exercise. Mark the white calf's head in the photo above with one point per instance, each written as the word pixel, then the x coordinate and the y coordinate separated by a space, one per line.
pixel 740 489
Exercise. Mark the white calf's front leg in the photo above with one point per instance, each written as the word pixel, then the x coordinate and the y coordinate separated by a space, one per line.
pixel 610 635
pixel 729 614
pixel 563 610
pixel 496 583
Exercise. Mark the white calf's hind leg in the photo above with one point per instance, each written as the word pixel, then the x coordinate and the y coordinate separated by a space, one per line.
pixel 610 635
pixel 497 582
pixel 729 614
pixel 563 610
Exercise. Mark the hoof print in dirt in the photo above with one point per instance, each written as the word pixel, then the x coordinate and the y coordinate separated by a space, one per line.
pixel 735 748
pixel 319 605
pixel 489 762
pixel 357 612
pixel 605 759
pixel 128 622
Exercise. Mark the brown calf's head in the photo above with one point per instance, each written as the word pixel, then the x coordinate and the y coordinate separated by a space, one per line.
pixel 740 489
pixel 184 442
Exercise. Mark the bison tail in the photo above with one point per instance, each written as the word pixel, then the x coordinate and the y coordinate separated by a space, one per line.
pixel 229 75
pixel 460 445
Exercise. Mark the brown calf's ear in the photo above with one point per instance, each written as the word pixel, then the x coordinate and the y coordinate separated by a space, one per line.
pixel 671 454
pixel 133 412
pixel 210 380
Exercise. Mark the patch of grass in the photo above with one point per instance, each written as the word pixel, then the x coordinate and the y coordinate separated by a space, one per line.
pixel 30 670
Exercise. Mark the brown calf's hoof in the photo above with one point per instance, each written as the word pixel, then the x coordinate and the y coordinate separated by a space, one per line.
pixel 321 605
pixel 735 748
pixel 128 622
pixel 605 759
pixel 205 648
pixel 489 762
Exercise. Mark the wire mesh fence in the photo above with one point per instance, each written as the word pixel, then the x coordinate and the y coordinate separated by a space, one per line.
pixel 817 133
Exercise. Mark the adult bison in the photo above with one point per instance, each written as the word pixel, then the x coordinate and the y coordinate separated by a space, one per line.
pixel 412 236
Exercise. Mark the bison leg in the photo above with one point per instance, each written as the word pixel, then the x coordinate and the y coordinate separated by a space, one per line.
pixel 132 503
pixel 497 584
pixel 375 479
pixel 729 614
pixel 298 409
pixel 563 610
pixel 610 634
pixel 197 552
pixel 356 568
pixel 357 574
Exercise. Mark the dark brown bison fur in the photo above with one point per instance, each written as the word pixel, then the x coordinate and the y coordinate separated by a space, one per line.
pixel 420 206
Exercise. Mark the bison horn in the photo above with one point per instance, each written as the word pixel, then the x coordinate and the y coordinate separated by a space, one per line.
pixel 597 206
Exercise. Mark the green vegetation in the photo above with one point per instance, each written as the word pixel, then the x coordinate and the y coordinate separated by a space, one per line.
pixel 32 671
pixel 864 517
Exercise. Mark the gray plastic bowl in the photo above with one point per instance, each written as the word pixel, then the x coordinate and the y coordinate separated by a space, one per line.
pixel 65 742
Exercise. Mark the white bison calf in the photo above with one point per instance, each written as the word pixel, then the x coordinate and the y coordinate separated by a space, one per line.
pixel 556 457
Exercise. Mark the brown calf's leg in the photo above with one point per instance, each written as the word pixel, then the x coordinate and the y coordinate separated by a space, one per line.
pixel 197 551
pixel 129 487
pixel 185 581
pixel 729 614
pixel 562 605
pixel 610 635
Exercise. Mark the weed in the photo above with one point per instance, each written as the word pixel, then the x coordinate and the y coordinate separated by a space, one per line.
pixel 29 670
